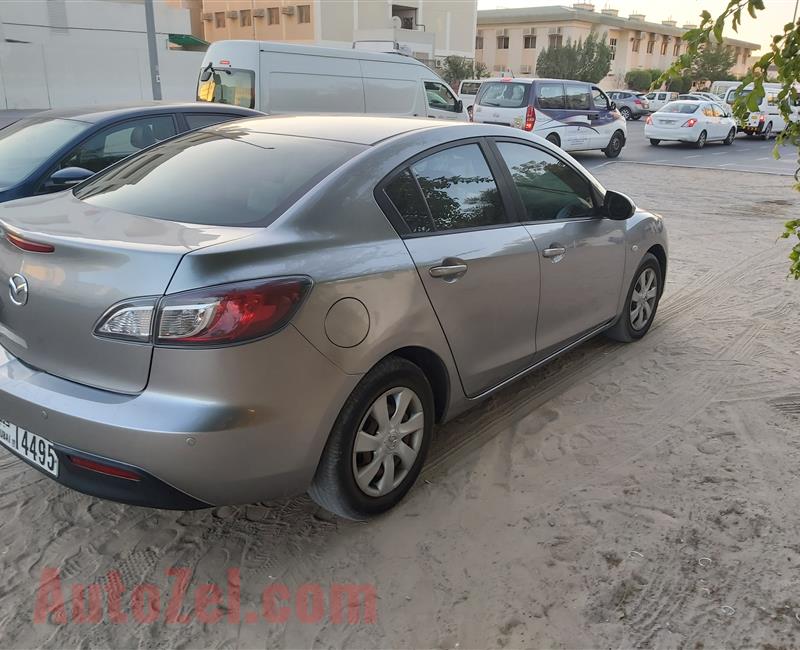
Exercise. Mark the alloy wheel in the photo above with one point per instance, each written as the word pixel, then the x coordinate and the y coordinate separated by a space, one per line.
pixel 643 299
pixel 388 441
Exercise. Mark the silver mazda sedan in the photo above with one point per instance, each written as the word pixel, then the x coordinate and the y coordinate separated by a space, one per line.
pixel 286 304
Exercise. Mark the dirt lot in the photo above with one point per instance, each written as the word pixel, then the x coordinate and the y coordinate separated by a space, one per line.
pixel 637 495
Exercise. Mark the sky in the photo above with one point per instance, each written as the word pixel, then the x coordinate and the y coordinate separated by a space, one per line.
pixel 769 22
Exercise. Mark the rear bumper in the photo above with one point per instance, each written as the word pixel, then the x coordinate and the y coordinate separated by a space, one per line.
pixel 679 134
pixel 225 426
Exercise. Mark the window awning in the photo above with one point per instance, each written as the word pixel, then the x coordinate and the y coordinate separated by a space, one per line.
pixel 187 40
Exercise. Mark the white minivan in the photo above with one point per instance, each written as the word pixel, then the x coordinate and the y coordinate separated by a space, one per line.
pixel 573 115
pixel 767 120
pixel 282 78
pixel 467 91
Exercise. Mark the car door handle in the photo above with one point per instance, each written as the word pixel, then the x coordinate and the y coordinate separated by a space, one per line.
pixel 554 251
pixel 450 270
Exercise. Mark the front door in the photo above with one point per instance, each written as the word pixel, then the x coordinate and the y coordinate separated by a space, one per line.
pixel 581 254
pixel 602 118
pixel 479 271
pixel 440 101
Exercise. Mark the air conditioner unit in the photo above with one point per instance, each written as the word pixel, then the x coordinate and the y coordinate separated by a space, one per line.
pixel 287 11
pixel 208 16
pixel 529 31
pixel 232 14
pixel 502 32
pixel 259 13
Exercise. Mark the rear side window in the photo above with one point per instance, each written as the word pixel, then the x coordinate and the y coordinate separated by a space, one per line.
pixel 503 94
pixel 578 97
pixel 228 86
pixel 551 96
pixel 205 177
pixel 459 192
pixel 199 120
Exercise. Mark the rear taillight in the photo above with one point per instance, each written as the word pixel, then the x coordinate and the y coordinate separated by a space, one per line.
pixel 530 118
pixel 219 315
pixel 690 122
pixel 762 118
pixel 637 101
pixel 649 120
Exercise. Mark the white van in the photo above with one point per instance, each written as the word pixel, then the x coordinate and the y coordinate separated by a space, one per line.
pixel 767 120
pixel 467 91
pixel 281 78
pixel 660 98
pixel 573 115
pixel 721 88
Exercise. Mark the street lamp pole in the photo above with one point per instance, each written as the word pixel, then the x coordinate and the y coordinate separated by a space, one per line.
pixel 152 49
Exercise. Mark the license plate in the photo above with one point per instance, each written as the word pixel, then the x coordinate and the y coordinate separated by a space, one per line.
pixel 29 446
pixel 667 122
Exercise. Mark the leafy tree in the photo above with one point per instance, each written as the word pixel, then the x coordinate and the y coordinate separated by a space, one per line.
pixel 713 62
pixel 655 73
pixel 480 70
pixel 638 80
pixel 784 54
pixel 682 84
pixel 455 69
pixel 588 60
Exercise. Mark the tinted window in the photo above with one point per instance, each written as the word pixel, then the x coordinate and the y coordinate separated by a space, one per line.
pixel 578 97
pixel 27 144
pixel 439 96
pixel 549 188
pixel 551 96
pixel 120 141
pixel 459 189
pixel 405 196
pixel 503 94
pixel 199 120
pixel 207 178
pixel 679 107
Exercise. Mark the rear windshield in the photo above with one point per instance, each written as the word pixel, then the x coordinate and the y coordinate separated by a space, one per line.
pixel 503 94
pixel 27 144
pixel 228 86
pixel 679 107
pixel 214 178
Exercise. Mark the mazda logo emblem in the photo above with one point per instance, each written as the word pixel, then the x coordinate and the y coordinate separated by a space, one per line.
pixel 18 289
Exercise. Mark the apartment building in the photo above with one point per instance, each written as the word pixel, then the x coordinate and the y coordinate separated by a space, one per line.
pixel 422 28
pixel 509 40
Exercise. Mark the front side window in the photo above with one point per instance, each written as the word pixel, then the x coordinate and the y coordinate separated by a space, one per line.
pixel 599 99
pixel 120 141
pixel 228 86
pixel 440 97
pixel 27 144
pixel 551 96
pixel 459 192
pixel 303 13
pixel 503 94
pixel 548 187
pixel 577 97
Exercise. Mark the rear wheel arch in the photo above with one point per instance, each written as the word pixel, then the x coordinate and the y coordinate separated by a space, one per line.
pixel 436 372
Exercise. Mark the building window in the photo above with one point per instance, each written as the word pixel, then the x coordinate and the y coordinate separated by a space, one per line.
pixel 246 18
pixel 555 40
pixel 676 50
pixel 664 45
pixel 498 67
pixel 650 46
pixel 273 16
pixel 529 41
pixel 612 44
pixel 219 19
pixel 479 41
pixel 636 44
pixel 303 13
pixel 502 42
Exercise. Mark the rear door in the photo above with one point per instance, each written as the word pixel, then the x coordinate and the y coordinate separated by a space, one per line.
pixel 579 115
pixel 581 254
pixel 503 102
pixel 479 271
pixel 552 115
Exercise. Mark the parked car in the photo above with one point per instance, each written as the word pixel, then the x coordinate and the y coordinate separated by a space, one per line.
pixel 693 121
pixel 255 309
pixel 767 120
pixel 284 78
pixel 467 92
pixel 632 105
pixel 721 88
pixel 54 150
pixel 573 115
pixel 660 98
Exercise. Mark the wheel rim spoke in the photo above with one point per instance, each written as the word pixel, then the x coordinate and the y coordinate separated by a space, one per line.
pixel 413 424
pixel 402 400
pixel 366 442
pixel 380 411
pixel 368 473
pixel 386 482
pixel 407 455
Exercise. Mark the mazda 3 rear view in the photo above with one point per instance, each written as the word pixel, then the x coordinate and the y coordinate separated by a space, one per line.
pixel 282 305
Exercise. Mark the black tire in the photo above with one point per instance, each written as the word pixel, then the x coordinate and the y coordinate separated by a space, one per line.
pixel 637 117
pixel 553 138
pixel 767 131
pixel 731 137
pixel 701 140
pixel 615 144
pixel 334 486
pixel 655 142
pixel 623 330
pixel 625 112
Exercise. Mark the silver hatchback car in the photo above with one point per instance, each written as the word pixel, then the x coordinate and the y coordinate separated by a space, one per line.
pixel 286 304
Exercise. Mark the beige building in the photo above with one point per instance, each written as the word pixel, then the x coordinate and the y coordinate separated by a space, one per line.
pixel 509 40
pixel 424 28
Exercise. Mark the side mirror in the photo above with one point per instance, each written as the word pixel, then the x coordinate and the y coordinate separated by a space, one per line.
pixel 459 106
pixel 618 206
pixel 613 106
pixel 205 75
pixel 66 178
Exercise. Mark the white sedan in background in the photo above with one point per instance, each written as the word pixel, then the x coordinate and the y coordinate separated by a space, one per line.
pixel 693 121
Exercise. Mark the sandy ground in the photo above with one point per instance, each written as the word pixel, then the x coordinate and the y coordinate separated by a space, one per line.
pixel 638 495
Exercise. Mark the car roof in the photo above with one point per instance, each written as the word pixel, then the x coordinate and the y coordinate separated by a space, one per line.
pixel 530 80
pixel 358 129
pixel 97 114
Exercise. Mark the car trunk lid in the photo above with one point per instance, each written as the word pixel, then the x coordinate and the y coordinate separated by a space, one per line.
pixel 99 258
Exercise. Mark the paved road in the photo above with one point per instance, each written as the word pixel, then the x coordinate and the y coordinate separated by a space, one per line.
pixel 746 154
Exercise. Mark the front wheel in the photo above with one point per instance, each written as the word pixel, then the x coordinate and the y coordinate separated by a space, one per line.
pixel 637 117
pixel 614 146
pixel 641 302
pixel 655 142
pixel 378 444
pixel 701 140
pixel 731 136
